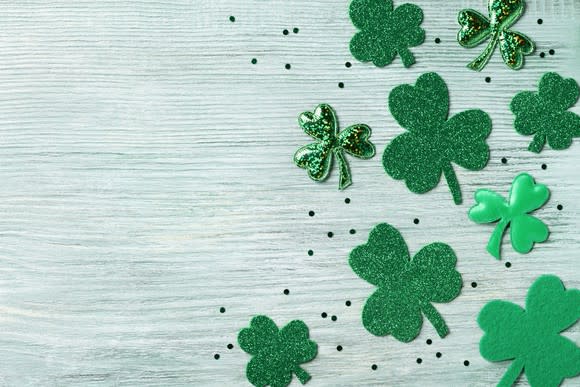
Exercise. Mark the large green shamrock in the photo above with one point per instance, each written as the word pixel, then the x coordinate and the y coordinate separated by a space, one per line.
pixel 406 287
pixel 433 141
pixel 545 113
pixel 531 337
pixel 476 28
pixel 385 31
pixel 277 354
pixel 525 197
pixel 317 157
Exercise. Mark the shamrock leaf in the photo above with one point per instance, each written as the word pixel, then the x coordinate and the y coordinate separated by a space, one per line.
pixel 316 158
pixel 545 114
pixel 531 337
pixel 406 287
pixel 525 197
pixel 476 28
pixel 277 353
pixel 385 31
pixel 433 141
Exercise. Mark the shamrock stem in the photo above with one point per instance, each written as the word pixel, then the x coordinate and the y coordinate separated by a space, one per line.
pixel 479 63
pixel 435 318
pixel 512 374
pixel 538 143
pixel 407 57
pixel 345 179
pixel 453 184
pixel 302 375
pixel 494 245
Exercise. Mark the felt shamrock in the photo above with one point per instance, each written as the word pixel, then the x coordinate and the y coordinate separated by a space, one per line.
pixel 531 337
pixel 433 140
pixel 385 31
pixel 545 114
pixel 277 353
pixel 525 197
pixel 406 287
pixel 316 158
pixel 476 28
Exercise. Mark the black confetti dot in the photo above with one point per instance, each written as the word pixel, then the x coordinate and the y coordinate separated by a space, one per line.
pixel 503 160
pixel 286 291
pixel 232 19
pixel 552 52
pixel 419 360
pixel 347 200
pixel 348 303
pixel 540 21
pixel 508 265
pixel 466 363
pixel 222 310
pixel 216 356
pixel 438 354
pixel 330 234
pixel 295 30
pixel 352 231
pixel 285 32
pixel 542 54
pixel 310 252
pixel 560 207
pixel 339 348
pixel 254 61
pixel 437 40
pixel 429 341
pixel 544 166
pixel 416 221
pixel 311 213
pixel 487 79
pixel 348 65
pixel 324 315
pixel 474 284
pixel 374 367
pixel 288 66
pixel 334 318
pixel 230 346
pixel 341 85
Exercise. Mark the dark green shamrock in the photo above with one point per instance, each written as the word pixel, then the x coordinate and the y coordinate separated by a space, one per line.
pixel 406 287
pixel 277 353
pixel 531 337
pixel 525 197
pixel 385 31
pixel 545 114
pixel 476 28
pixel 316 158
pixel 434 140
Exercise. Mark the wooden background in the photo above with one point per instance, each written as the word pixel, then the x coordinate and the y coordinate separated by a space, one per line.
pixel 147 181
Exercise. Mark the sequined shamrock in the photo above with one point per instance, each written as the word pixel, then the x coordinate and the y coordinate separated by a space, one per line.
pixel 525 197
pixel 545 114
pixel 385 31
pixel 531 337
pixel 406 287
pixel 317 157
pixel 476 28
pixel 277 353
pixel 433 140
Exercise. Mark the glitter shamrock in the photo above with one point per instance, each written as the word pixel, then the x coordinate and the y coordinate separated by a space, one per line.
pixel 317 157
pixel 476 28
pixel 525 197
pixel 433 141
pixel 385 31
pixel 277 353
pixel 531 337
pixel 406 287
pixel 545 114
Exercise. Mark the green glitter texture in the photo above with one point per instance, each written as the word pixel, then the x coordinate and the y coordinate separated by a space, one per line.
pixel 406 287
pixel 277 354
pixel 385 31
pixel 531 337
pixel 476 28
pixel 433 141
pixel 545 114
pixel 317 157
pixel 525 197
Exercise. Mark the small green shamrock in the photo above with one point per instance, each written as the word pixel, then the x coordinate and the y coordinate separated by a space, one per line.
pixel 545 113
pixel 406 287
pixel 277 353
pixel 476 28
pixel 531 337
pixel 385 31
pixel 316 158
pixel 525 197
pixel 434 140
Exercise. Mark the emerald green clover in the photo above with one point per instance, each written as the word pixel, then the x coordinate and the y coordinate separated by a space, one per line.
pixel 531 337
pixel 277 353
pixel 317 157
pixel 385 31
pixel 434 140
pixel 545 114
pixel 525 197
pixel 476 28
pixel 406 287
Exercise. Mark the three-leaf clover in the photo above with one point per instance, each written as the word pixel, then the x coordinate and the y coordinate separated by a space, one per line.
pixel 317 157
pixel 525 197
pixel 406 287
pixel 531 337
pixel 277 353
pixel 385 31
pixel 433 141
pixel 545 114
pixel 476 28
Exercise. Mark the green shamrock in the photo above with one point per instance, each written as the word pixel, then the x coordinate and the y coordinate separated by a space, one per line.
pixel 525 197
pixel 385 31
pixel 406 287
pixel 316 158
pixel 545 113
pixel 433 140
pixel 277 353
pixel 531 337
pixel 476 28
